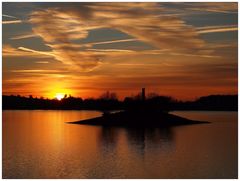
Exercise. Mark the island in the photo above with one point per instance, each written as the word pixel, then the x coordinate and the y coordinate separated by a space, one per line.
pixel 139 116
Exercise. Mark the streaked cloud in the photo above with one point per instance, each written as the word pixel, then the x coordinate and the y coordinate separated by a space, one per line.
pixel 9 16
pixel 36 71
pixel 214 7
pixel 11 22
pixel 110 42
pixel 42 62
pixel 216 29
pixel 25 36
pixel 9 51
pixel 111 50
pixel 63 25
pixel 35 51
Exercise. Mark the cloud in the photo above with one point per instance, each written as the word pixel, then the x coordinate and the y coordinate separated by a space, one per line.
pixel 143 22
pixel 60 27
pixel 16 21
pixel 35 51
pixel 19 37
pixel 37 71
pixel 87 63
pixel 216 29
pixel 11 22
pixel 56 26
pixel 42 62
pixel 66 57
pixel 112 41
pixel 9 51
pixel 111 50
pixel 9 16
pixel 214 7
pixel 30 71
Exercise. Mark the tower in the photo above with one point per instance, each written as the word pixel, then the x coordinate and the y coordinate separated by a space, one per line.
pixel 143 94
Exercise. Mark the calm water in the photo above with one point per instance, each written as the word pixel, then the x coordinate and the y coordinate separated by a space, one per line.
pixel 39 144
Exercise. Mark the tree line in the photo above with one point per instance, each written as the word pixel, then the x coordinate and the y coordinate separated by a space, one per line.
pixel 110 101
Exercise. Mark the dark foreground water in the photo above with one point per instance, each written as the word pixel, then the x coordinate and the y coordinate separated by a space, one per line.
pixel 39 144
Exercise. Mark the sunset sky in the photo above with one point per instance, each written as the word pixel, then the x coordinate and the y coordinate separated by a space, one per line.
pixel 184 50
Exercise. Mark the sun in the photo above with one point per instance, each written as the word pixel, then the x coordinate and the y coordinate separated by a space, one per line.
pixel 59 96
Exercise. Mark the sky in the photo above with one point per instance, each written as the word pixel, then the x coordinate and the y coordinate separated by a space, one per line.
pixel 183 50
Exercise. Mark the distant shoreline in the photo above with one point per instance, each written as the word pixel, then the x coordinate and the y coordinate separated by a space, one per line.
pixel 110 103
pixel 110 110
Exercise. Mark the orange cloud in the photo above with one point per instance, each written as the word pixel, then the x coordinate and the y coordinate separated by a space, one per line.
pixel 60 26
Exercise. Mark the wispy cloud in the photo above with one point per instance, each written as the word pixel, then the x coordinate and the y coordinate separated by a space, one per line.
pixel 58 27
pixel 11 22
pixel 35 51
pixel 216 29
pixel 214 7
pixel 169 52
pixel 42 62
pixel 9 51
pixel 19 37
pixel 9 16
pixel 110 50
pixel 112 41
pixel 36 71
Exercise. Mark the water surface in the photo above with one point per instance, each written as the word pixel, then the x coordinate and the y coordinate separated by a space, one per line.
pixel 39 144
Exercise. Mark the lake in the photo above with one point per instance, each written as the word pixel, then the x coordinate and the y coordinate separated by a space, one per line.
pixel 40 144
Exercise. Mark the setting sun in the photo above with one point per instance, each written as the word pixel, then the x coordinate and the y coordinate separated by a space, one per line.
pixel 59 96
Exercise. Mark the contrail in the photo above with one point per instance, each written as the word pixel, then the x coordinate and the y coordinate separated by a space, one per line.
pixel 12 22
pixel 5 15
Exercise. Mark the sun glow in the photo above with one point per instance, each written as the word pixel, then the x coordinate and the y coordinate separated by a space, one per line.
pixel 59 96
